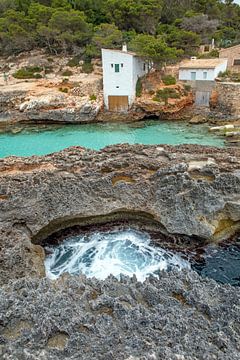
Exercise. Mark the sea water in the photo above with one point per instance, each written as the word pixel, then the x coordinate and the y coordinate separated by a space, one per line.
pixel 99 254
pixel 42 140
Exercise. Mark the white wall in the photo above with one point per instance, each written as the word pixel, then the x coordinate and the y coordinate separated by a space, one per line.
pixel 185 74
pixel 124 82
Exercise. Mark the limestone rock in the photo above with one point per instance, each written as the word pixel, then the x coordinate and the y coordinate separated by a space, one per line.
pixel 198 119
pixel 188 190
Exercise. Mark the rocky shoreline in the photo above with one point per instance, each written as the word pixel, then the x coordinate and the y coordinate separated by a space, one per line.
pixel 188 190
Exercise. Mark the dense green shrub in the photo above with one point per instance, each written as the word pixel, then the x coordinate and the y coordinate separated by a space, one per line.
pixel 169 80
pixel 139 87
pixel 28 73
pixel 165 94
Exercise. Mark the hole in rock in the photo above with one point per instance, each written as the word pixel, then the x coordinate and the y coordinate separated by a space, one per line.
pixel 126 248
pixel 115 251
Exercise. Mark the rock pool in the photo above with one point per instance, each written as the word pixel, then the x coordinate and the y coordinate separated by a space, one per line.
pixel 42 140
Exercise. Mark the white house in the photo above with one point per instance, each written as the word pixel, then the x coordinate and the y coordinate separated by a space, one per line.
pixel 121 70
pixel 202 69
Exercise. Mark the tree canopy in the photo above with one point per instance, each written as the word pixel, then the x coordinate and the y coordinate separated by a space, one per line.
pixel 175 28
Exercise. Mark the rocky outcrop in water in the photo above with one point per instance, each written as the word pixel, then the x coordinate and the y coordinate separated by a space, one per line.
pixel 188 190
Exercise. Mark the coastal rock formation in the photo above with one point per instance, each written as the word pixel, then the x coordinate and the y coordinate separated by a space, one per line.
pixel 188 190
pixel 177 317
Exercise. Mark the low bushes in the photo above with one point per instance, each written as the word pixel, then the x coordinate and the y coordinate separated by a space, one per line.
pixel 92 97
pixel 165 94
pixel 87 68
pixel 169 80
pixel 67 73
pixel 28 73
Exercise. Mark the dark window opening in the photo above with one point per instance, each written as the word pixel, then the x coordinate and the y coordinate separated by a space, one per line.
pixel 117 87
pixel 206 48
pixel 117 68
pixel 236 62
pixel 122 65
pixel 112 65
pixel 144 67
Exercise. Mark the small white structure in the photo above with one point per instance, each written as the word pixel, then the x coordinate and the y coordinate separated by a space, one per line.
pixel 202 69
pixel 121 70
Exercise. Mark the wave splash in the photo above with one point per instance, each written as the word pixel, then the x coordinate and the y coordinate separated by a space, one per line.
pixel 100 254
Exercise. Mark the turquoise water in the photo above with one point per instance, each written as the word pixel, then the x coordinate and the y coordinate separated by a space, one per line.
pixel 41 140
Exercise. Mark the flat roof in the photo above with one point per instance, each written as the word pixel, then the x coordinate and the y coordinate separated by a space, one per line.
pixel 202 63
pixel 121 51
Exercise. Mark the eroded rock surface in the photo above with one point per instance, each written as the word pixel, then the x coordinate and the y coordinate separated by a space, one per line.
pixel 189 190
pixel 177 317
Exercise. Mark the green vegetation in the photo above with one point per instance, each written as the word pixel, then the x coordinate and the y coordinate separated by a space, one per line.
pixel 212 54
pixel 169 80
pixel 161 31
pixel 64 90
pixel 74 61
pixel 187 88
pixel 87 67
pixel 165 94
pixel 92 97
pixel 139 87
pixel 229 76
pixel 28 73
pixel 67 73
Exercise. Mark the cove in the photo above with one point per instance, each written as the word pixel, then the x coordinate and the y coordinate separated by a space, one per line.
pixel 42 140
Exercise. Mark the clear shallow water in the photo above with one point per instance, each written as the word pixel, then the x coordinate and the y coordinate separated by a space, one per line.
pixel 100 254
pixel 45 140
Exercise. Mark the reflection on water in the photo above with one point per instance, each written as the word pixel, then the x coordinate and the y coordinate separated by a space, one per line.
pixel 40 140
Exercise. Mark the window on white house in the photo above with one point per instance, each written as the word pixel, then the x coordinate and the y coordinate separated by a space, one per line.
pixel 112 65
pixel 144 67
pixel 122 65
pixel 117 68
pixel 205 75
pixel 193 75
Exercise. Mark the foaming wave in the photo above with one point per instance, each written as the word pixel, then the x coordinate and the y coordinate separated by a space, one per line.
pixel 100 254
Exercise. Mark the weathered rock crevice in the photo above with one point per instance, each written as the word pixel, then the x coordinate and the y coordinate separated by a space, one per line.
pixel 139 218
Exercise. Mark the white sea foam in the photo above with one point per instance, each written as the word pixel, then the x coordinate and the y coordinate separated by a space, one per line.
pixel 100 254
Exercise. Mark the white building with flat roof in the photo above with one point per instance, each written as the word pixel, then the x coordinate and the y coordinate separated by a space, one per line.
pixel 202 69
pixel 121 70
